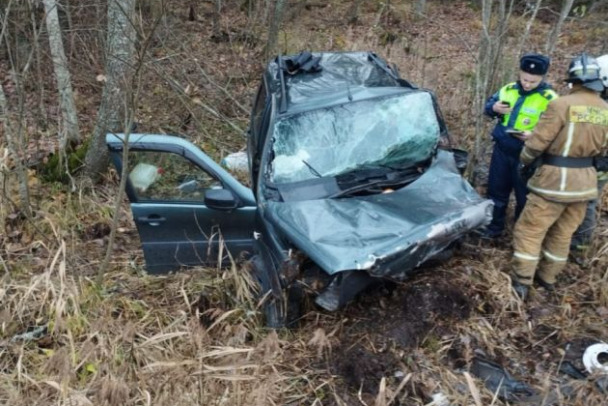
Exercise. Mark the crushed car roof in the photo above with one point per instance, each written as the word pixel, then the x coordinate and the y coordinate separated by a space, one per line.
pixel 340 75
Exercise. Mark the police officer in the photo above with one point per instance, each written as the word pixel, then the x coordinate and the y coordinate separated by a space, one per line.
pixel 568 137
pixel 582 236
pixel 517 106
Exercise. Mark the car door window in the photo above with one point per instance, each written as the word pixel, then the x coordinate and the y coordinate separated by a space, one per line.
pixel 165 176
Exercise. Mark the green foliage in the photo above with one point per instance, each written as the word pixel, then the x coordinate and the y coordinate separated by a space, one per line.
pixel 55 169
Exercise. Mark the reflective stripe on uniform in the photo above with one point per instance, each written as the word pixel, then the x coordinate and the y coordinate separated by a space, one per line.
pixel 569 139
pixel 563 193
pixel 525 256
pixel 527 154
pixel 554 258
pixel 564 171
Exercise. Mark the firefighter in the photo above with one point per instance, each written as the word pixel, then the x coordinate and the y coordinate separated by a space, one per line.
pixel 582 236
pixel 567 138
pixel 517 106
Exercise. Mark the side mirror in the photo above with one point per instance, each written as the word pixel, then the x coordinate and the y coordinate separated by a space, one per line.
pixel 220 199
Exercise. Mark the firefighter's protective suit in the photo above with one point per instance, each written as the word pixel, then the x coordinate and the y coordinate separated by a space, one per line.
pixel 573 130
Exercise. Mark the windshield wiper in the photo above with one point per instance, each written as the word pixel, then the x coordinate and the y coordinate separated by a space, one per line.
pixel 356 188
pixel 390 178
pixel 312 170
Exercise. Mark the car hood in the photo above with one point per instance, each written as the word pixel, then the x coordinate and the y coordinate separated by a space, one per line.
pixel 388 234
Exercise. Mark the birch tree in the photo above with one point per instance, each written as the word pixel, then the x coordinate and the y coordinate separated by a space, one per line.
pixel 557 28
pixel 69 132
pixel 120 48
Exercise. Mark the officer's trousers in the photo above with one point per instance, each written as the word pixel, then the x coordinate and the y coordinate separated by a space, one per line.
pixel 503 179
pixel 542 235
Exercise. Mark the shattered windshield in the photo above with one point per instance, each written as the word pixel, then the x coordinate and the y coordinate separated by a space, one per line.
pixel 395 131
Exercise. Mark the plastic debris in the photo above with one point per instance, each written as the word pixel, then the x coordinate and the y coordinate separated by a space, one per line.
pixel 35 334
pixel 439 399
pixel 144 175
pixel 499 381
pixel 591 358
pixel 188 186
pixel 236 161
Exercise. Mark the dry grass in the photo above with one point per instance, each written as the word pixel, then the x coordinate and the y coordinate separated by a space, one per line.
pixel 198 337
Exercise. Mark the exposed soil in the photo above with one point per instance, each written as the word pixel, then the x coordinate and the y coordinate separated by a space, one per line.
pixel 384 324
pixel 139 339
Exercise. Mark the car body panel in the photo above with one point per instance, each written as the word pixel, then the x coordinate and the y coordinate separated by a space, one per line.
pixel 181 231
pixel 385 234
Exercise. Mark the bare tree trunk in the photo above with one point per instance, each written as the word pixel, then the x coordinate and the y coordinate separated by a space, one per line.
pixel 14 134
pixel 554 35
pixel 217 27
pixel 275 26
pixel 353 16
pixel 526 34
pixel 69 132
pixel 120 46
pixel 42 116
pixel 130 102
pixel 420 7
pixel 488 63
pixel 13 146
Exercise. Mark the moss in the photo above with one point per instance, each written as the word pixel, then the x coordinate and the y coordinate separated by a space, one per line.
pixel 55 170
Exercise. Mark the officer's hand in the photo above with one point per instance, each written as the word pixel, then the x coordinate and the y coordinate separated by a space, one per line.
pixel 524 135
pixel 501 108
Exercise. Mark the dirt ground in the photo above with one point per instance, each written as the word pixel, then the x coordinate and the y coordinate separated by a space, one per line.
pixel 197 337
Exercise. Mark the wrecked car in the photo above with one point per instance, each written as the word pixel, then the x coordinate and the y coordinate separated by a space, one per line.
pixel 353 179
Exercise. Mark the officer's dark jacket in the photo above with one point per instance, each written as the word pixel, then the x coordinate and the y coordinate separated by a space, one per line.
pixel 509 144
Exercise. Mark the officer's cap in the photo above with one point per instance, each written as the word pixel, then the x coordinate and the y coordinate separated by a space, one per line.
pixel 535 64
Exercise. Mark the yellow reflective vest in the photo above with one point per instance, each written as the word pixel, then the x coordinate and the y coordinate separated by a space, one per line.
pixel 530 111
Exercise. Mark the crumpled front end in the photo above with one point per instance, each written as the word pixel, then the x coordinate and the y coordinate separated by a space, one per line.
pixel 424 246
pixel 386 235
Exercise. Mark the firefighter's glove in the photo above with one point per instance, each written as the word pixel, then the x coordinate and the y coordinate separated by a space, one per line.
pixel 525 171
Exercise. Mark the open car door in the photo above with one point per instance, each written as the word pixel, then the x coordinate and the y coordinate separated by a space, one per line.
pixel 188 210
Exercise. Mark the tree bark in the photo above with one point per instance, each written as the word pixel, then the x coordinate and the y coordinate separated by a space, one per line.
pixel 554 34
pixel 489 60
pixel 526 34
pixel 420 7
pixel 69 131
pixel 120 47
pixel 217 27
pixel 353 15
pixel 275 26
pixel 13 147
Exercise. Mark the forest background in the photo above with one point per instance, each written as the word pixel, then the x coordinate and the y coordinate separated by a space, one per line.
pixel 82 324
